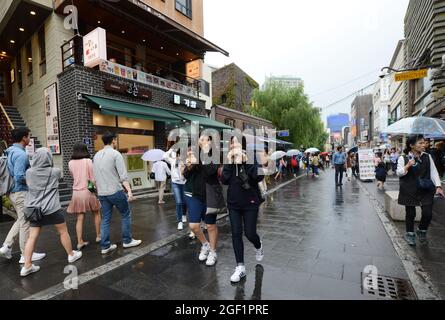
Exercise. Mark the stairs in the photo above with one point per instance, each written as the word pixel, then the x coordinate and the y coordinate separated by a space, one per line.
pixel 18 121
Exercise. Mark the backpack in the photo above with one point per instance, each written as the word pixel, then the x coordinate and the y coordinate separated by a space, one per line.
pixel 6 181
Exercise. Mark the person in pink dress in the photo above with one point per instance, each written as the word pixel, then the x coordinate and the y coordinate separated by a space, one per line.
pixel 83 200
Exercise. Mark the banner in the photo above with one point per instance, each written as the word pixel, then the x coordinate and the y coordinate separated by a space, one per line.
pixel 366 164
pixel 52 119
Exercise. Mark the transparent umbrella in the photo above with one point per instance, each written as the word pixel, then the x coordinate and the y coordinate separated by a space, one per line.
pixel 277 155
pixel 153 155
pixel 418 125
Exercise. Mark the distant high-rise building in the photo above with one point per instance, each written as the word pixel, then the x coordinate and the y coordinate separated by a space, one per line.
pixel 285 81
pixel 336 124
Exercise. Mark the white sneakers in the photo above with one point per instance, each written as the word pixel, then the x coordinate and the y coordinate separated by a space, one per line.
pixel 180 226
pixel 6 252
pixel 240 273
pixel 184 219
pixel 26 272
pixel 192 235
pixel 211 258
pixel 76 256
pixel 132 244
pixel 205 250
pixel 110 249
pixel 259 253
pixel 35 257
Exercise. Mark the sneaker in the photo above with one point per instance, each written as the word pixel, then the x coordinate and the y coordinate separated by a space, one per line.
pixel 259 253
pixel 205 250
pixel 6 252
pixel 98 239
pixel 410 237
pixel 422 236
pixel 240 273
pixel 211 259
pixel 26 272
pixel 180 226
pixel 184 219
pixel 76 256
pixel 35 257
pixel 192 235
pixel 132 244
pixel 110 249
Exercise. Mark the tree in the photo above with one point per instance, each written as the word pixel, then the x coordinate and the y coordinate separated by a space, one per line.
pixel 290 109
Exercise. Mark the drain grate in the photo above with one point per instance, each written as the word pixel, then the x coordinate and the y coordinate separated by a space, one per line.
pixel 388 288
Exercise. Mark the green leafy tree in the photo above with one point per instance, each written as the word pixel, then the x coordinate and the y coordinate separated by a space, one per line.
pixel 290 109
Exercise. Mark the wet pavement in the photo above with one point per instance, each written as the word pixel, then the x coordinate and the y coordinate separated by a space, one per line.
pixel 317 239
pixel 431 256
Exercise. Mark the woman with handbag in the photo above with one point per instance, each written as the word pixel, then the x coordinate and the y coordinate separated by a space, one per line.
pixel 243 202
pixel 198 175
pixel 419 182
pixel 84 198
pixel 43 208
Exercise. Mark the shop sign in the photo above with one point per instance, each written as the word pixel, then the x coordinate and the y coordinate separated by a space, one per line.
pixel 385 90
pixel 366 164
pixel 94 47
pixel 411 75
pixel 194 69
pixel 88 141
pixel 129 89
pixel 178 100
pixel 52 119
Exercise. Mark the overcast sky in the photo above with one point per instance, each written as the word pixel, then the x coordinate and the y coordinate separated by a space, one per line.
pixel 326 43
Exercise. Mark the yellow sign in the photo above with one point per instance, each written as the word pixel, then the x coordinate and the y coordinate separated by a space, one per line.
pixel 411 75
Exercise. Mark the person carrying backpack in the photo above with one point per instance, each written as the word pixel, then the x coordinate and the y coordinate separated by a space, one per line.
pixel 17 164
pixel 294 166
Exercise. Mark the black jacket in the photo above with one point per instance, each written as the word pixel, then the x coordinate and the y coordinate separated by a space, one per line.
pixel 237 196
pixel 200 175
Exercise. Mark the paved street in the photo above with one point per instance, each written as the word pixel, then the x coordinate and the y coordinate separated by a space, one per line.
pixel 432 256
pixel 317 242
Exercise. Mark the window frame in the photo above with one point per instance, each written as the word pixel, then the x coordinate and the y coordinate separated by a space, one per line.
pixel 41 35
pixel 186 10
pixel 19 71
pixel 29 64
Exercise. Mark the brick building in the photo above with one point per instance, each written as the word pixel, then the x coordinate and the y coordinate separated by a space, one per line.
pixel 148 82
pixel 232 87
pixel 360 125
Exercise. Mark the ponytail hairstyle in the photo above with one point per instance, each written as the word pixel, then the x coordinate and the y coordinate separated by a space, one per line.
pixel 412 140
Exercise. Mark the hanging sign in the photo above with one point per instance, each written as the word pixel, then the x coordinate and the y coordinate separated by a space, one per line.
pixel 411 75
pixel 52 119
pixel 94 47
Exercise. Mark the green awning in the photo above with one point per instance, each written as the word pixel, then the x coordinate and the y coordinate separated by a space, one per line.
pixel 133 110
pixel 203 121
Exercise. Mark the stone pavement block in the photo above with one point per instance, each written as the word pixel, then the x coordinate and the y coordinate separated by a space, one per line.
pixel 326 288
pixel 390 267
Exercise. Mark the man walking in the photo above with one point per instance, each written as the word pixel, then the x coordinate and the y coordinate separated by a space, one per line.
pixel 110 175
pixel 339 160
pixel 18 163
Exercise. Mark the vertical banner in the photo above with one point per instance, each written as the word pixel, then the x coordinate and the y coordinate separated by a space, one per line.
pixel 366 164
pixel 52 119
pixel 385 89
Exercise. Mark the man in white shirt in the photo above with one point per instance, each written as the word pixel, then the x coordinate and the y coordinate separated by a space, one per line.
pixel 161 170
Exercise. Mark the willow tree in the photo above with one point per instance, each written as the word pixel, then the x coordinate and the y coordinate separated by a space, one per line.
pixel 290 109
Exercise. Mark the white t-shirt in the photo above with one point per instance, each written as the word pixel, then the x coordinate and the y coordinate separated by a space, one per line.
pixel 160 169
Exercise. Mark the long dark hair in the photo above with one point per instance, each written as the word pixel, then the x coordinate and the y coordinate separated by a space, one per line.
pixel 80 151
pixel 412 140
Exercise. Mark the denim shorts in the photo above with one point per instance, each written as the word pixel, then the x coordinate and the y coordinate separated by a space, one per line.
pixel 197 211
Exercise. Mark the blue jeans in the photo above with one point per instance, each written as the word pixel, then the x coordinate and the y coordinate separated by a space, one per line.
pixel 181 208
pixel 120 201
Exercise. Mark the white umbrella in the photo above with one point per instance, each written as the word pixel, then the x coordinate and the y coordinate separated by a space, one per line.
pixel 312 150
pixel 418 125
pixel 153 155
pixel 277 155
pixel 292 153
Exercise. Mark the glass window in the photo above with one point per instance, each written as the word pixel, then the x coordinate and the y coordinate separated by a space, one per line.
pixel 29 63
pixel 42 51
pixel 140 124
pixel 185 7
pixel 130 143
pixel 230 122
pixel 103 120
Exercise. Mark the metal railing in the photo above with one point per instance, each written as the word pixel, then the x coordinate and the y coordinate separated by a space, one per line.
pixel 72 52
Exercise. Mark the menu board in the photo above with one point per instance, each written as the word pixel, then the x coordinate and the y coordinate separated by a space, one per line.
pixel 52 119
pixel 366 164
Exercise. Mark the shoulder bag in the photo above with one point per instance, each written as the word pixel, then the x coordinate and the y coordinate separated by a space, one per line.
pixel 426 184
pixel 90 186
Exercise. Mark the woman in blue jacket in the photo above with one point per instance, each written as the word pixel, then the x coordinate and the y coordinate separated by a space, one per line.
pixel 243 201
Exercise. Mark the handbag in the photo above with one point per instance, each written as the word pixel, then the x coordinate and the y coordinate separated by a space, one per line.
pixel 215 198
pixel 90 185
pixel 35 214
pixel 426 184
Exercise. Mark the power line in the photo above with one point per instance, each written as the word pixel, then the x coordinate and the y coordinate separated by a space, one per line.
pixel 349 96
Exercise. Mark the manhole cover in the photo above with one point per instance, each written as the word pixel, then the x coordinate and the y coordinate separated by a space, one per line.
pixel 387 288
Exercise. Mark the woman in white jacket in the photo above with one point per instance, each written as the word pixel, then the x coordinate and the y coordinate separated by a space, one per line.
pixel 178 182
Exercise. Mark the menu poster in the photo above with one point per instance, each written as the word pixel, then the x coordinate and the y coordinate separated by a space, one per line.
pixel 366 164
pixel 52 119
